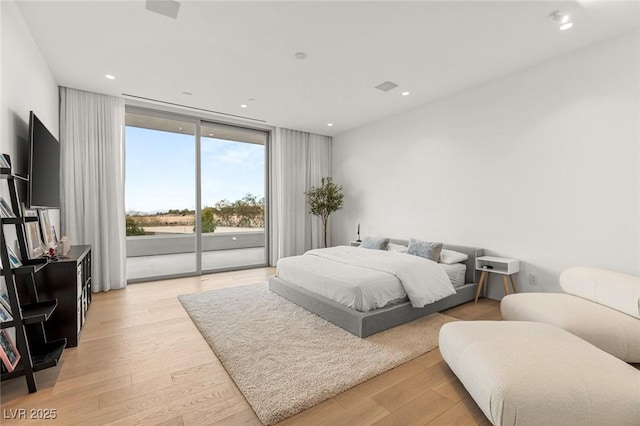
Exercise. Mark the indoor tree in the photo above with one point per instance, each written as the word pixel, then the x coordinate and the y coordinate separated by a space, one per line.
pixel 324 200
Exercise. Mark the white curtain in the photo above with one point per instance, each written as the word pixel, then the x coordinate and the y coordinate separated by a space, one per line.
pixel 92 181
pixel 298 160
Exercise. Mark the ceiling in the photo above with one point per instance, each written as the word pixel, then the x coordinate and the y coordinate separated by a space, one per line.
pixel 225 53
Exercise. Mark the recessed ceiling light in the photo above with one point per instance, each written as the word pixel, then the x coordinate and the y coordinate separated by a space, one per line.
pixel 566 26
pixel 110 77
pixel 210 134
pixel 243 106
pixel 300 55
pixel 405 93
pixel 330 124
pixel 562 19
pixel 179 128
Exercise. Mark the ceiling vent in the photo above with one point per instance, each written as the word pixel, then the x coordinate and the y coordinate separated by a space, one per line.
pixel 168 8
pixel 386 86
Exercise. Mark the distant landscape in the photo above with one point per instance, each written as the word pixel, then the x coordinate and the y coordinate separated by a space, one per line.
pixel 247 212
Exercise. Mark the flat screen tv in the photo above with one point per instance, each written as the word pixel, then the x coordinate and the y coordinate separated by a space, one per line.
pixel 43 190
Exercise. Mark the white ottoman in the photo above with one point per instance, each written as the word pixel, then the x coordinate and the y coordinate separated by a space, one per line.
pixel 528 373
pixel 610 330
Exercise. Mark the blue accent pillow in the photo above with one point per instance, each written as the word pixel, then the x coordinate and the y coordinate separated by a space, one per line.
pixel 375 243
pixel 425 249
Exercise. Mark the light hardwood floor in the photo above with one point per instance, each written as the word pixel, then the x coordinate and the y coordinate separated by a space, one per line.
pixel 142 361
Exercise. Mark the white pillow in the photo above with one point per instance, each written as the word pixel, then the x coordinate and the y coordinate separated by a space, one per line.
pixel 398 248
pixel 450 257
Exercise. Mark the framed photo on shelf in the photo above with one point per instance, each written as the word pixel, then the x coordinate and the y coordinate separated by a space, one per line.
pixel 5 316
pixel 4 300
pixel 28 212
pixel 54 235
pixel 34 240
pixel 8 351
pixel 13 258
pixel 45 226
pixel 5 209
pixel 34 234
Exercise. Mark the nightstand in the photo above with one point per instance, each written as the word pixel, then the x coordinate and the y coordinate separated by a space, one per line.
pixel 497 265
pixel 355 243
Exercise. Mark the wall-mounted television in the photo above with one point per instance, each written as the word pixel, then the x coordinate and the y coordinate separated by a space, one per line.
pixel 43 190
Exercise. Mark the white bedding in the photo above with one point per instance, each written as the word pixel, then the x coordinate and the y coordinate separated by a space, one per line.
pixel 456 273
pixel 367 279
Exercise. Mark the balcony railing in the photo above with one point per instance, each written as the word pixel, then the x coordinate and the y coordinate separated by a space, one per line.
pixel 159 244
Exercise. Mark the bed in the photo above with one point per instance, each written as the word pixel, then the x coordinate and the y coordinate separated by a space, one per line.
pixel 363 318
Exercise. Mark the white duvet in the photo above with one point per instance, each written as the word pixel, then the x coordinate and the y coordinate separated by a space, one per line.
pixel 423 280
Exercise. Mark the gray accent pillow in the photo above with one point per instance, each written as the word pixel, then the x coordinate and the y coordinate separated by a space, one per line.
pixel 425 249
pixel 375 243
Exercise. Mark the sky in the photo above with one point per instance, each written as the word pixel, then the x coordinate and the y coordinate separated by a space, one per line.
pixel 160 170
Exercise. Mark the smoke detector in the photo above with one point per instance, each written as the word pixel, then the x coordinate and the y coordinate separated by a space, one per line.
pixel 168 8
pixel 386 86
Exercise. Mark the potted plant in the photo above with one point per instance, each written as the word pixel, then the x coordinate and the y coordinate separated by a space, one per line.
pixel 324 200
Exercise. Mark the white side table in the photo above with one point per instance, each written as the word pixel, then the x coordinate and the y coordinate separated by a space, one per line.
pixel 497 265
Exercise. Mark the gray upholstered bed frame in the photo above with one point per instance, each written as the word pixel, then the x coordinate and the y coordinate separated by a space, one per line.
pixel 364 324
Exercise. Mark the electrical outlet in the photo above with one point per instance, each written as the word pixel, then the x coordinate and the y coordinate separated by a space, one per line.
pixel 533 279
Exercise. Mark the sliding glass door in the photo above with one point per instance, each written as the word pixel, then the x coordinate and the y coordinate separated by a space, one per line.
pixel 160 196
pixel 233 196
pixel 195 196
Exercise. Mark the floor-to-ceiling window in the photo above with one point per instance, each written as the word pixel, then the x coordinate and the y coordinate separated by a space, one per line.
pixel 195 196
pixel 233 196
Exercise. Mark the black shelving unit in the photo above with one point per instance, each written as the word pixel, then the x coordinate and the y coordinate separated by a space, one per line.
pixel 67 280
pixel 36 352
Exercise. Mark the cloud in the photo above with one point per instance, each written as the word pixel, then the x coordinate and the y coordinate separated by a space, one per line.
pixel 234 153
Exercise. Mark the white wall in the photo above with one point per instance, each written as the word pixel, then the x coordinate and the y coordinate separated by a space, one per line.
pixel 542 166
pixel 26 84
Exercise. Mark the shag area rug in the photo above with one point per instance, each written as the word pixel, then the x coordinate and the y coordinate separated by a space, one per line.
pixel 284 359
